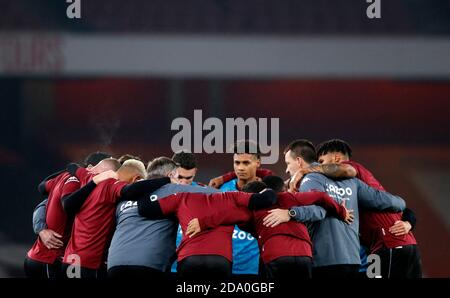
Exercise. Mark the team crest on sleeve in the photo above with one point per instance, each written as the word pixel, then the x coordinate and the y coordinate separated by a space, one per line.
pixel 306 179
pixel 72 179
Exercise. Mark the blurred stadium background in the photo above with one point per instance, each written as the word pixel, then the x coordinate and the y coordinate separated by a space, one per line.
pixel 116 79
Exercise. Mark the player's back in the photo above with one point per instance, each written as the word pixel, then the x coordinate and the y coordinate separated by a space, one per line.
pixel 94 224
pixel 286 239
pixel 290 228
pixel 335 242
pixel 374 226
pixel 140 241
pixel 56 220
pixel 216 241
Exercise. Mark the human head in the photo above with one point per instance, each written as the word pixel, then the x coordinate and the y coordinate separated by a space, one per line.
pixel 254 187
pixel 94 158
pixel 334 151
pixel 299 154
pixel 126 157
pixel 106 165
pixel 274 182
pixel 246 159
pixel 131 171
pixel 162 167
pixel 187 167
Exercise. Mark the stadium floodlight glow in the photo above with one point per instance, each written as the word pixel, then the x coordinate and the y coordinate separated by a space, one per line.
pixel 214 141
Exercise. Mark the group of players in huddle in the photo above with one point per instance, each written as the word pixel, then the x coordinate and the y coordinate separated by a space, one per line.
pixel 116 218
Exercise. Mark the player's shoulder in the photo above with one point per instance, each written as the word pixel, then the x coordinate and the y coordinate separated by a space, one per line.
pixel 84 174
pixel 116 184
pixel 59 178
pixel 110 181
pixel 229 185
pixel 314 176
pixel 358 166
pixel 184 188
pixel 353 183
pixel 81 171
pixel 70 179
pixel 125 206
pixel 110 184
pixel 313 181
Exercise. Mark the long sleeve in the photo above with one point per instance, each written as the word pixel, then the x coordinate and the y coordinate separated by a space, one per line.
pixel 252 201
pixel 310 213
pixel 138 189
pixel 42 187
pixel 73 202
pixel 225 217
pixel 262 200
pixel 370 198
pixel 39 214
pixel 149 206
pixel 321 199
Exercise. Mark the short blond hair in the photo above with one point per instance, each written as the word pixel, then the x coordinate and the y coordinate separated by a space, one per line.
pixel 135 165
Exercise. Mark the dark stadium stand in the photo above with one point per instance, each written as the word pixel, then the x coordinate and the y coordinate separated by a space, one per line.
pixel 400 17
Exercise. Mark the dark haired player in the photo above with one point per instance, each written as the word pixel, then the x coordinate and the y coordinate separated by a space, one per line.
pixel 94 158
pixel 187 168
pixel 39 225
pixel 127 156
pixel 335 246
pixel 246 162
pixel 53 224
pixel 44 258
pixel 384 233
